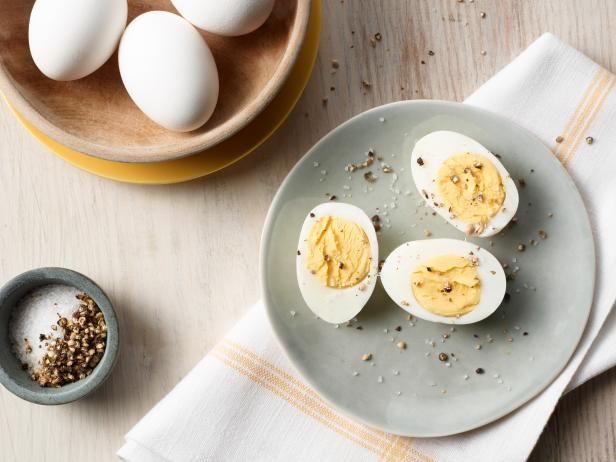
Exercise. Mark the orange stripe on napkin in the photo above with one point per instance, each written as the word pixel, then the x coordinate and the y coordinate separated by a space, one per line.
pixel 591 118
pixel 301 385
pixel 261 379
pixel 584 115
pixel 286 386
pixel 398 445
pixel 403 444
pixel 580 109
pixel 317 410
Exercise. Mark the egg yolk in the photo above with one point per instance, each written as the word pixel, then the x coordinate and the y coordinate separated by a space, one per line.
pixel 338 252
pixel 471 188
pixel 447 285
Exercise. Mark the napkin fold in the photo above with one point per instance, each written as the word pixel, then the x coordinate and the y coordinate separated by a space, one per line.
pixel 244 401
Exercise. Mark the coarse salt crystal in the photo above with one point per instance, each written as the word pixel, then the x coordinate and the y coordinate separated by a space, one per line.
pixel 34 315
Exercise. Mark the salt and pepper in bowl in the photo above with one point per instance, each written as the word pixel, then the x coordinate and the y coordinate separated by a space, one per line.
pixel 59 336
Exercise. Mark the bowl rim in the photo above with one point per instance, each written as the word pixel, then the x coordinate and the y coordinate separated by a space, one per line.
pixel 175 149
pixel 102 371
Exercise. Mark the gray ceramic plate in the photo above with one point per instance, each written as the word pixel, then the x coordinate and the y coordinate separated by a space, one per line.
pixel 523 346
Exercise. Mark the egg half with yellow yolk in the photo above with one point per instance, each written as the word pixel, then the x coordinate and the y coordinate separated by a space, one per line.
pixel 464 183
pixel 337 261
pixel 444 280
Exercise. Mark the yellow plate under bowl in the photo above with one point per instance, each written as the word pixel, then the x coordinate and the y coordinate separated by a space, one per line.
pixel 221 155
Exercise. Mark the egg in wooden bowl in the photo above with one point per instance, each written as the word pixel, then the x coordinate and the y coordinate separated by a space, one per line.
pixel 96 115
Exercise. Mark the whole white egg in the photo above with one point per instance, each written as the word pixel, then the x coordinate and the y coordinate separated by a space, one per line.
pixel 169 71
pixel 464 183
pixel 228 17
pixel 70 39
pixel 331 303
pixel 409 259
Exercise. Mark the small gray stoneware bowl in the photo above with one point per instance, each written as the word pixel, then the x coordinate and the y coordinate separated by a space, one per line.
pixel 13 377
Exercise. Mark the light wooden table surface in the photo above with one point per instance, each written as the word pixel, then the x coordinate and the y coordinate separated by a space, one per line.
pixel 180 262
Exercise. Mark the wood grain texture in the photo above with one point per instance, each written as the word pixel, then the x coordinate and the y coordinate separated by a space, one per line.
pixel 180 261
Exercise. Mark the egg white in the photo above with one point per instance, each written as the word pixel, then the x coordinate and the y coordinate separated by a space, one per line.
pixel 69 40
pixel 331 304
pixel 438 146
pixel 169 71
pixel 404 260
pixel 227 18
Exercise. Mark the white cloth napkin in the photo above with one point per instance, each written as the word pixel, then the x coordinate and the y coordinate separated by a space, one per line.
pixel 244 401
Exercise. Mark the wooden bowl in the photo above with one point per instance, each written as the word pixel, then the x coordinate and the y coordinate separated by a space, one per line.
pixel 95 115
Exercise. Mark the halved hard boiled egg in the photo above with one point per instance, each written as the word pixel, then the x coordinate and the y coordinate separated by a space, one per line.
pixel 444 280
pixel 337 261
pixel 464 183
